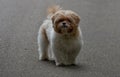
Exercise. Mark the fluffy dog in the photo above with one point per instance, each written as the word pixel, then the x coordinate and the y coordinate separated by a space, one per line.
pixel 60 34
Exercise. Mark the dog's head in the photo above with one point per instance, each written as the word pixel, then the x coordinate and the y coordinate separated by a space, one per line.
pixel 65 21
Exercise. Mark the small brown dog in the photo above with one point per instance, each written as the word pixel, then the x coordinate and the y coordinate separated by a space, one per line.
pixel 60 34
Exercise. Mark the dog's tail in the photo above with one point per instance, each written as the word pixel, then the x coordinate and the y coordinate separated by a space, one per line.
pixel 53 9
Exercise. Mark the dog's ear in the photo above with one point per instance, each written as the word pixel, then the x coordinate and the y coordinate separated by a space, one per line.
pixel 53 18
pixel 76 18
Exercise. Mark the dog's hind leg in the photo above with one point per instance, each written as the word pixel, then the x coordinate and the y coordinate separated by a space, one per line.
pixel 42 45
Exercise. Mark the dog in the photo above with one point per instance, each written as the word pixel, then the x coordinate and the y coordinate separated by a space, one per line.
pixel 60 35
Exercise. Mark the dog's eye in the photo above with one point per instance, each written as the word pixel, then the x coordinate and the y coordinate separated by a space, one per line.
pixel 70 21
pixel 61 20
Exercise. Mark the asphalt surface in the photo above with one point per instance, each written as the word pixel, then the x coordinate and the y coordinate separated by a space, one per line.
pixel 19 24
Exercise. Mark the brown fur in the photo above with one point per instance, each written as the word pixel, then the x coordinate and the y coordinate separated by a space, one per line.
pixel 44 34
pixel 53 9
pixel 60 35
pixel 70 18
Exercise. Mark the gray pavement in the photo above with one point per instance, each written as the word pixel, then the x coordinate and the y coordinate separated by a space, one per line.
pixel 19 24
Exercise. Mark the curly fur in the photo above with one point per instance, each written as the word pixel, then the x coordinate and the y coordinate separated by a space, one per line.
pixel 61 35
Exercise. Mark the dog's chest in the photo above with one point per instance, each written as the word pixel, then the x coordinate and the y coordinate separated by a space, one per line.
pixel 67 45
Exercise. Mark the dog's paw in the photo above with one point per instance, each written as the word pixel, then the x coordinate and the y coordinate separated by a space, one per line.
pixel 65 64
pixel 43 58
pixel 59 64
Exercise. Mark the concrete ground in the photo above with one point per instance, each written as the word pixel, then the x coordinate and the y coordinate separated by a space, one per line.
pixel 19 24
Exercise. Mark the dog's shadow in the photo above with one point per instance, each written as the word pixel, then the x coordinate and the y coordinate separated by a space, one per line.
pixel 78 66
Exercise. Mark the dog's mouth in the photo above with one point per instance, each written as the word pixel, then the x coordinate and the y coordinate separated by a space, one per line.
pixel 63 27
pixel 64 30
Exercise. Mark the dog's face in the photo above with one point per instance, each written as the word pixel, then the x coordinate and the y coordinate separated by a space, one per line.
pixel 65 21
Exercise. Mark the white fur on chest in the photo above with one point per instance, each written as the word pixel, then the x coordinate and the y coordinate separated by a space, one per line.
pixel 64 48
pixel 66 44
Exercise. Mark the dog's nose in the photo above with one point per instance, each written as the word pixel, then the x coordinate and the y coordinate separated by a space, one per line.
pixel 64 23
